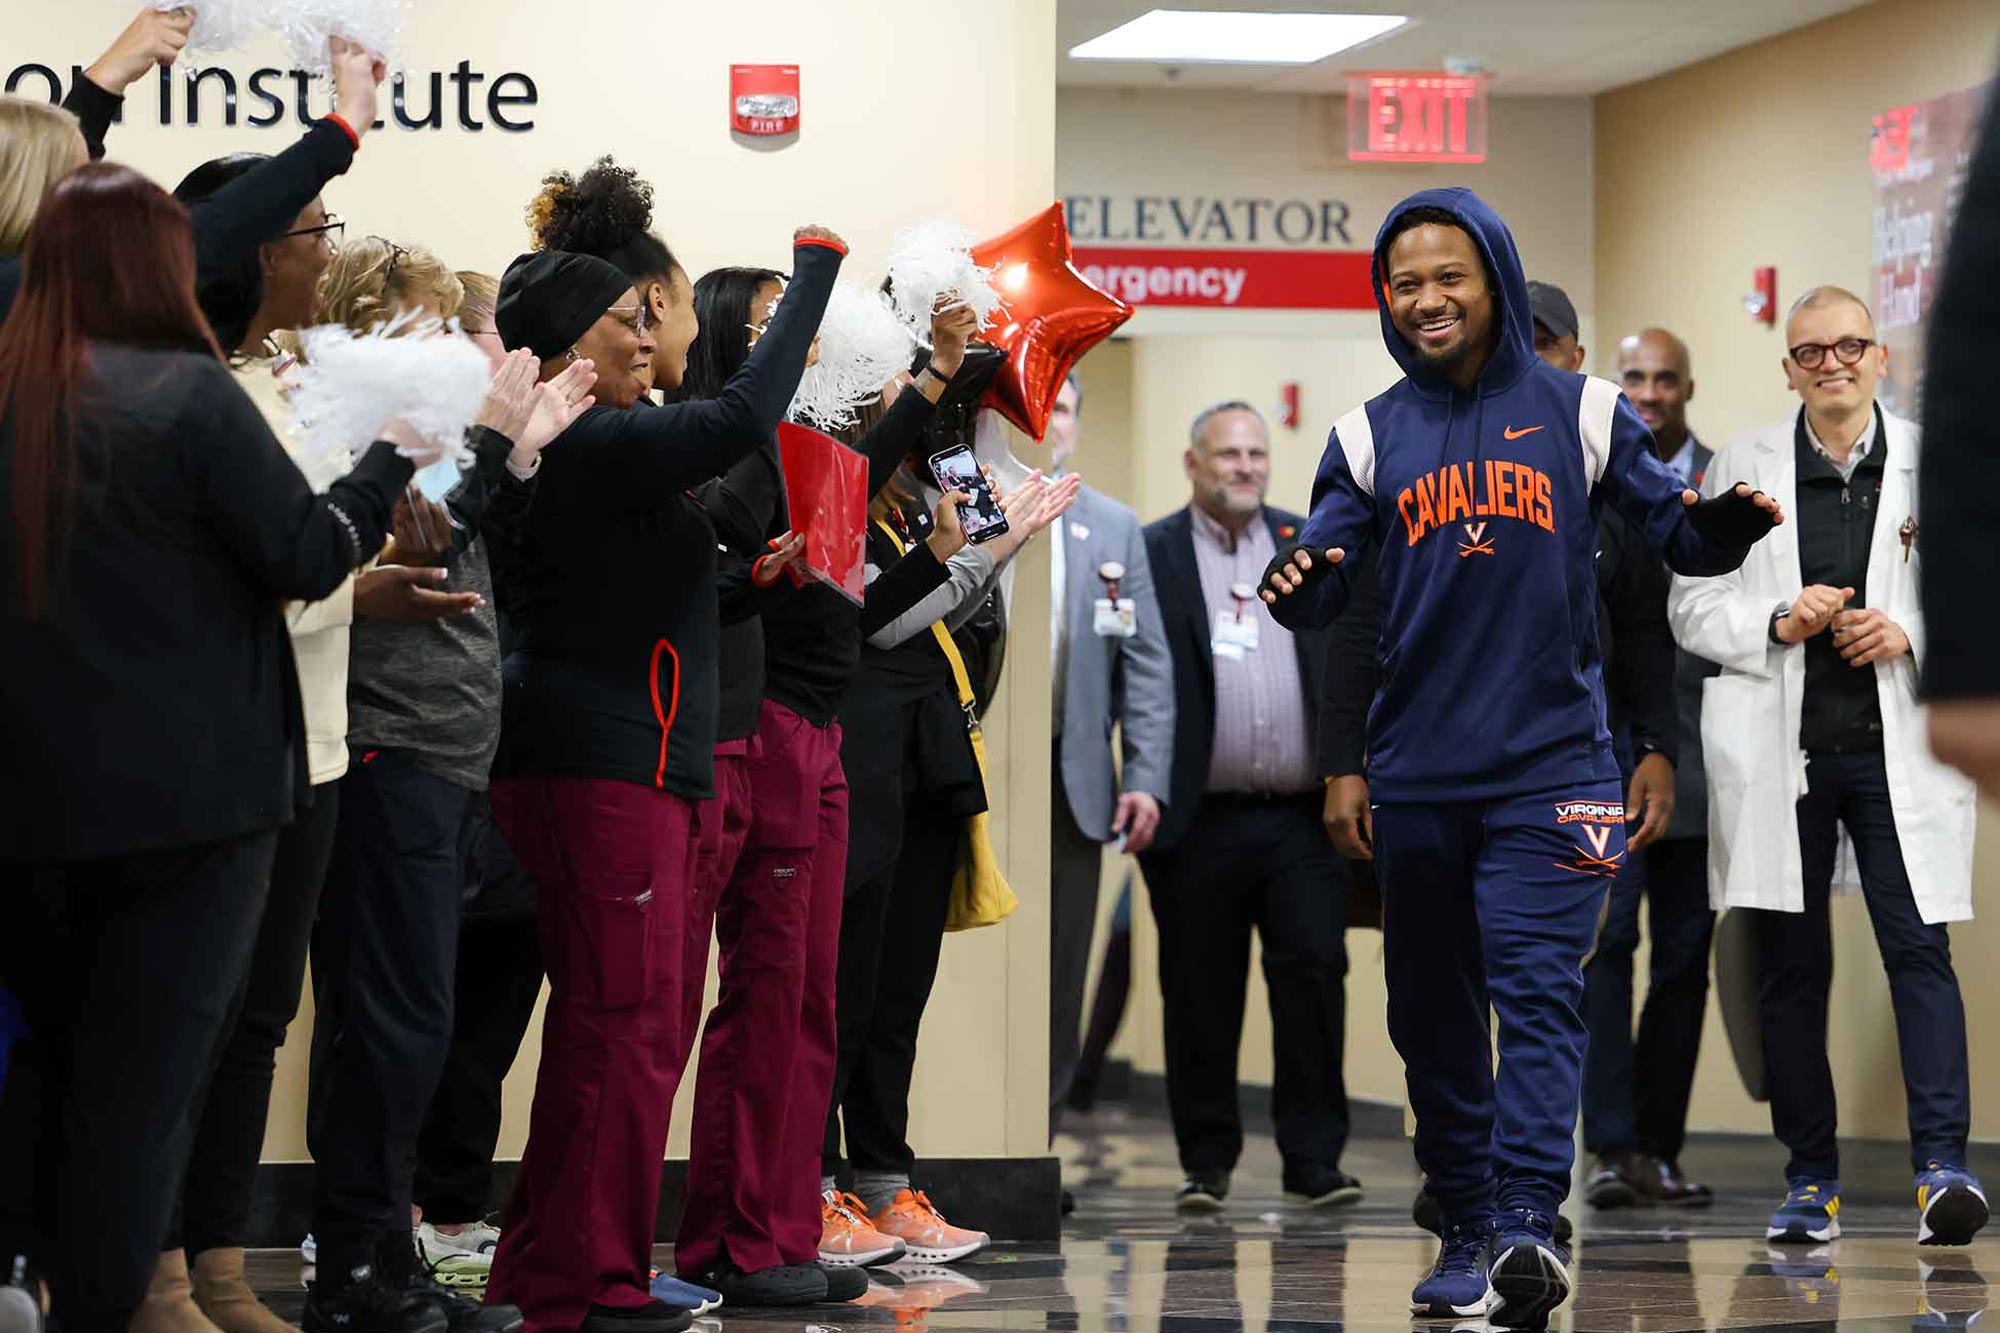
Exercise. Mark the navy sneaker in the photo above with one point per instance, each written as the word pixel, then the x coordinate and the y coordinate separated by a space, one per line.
pixel 671 1291
pixel 1951 1207
pixel 1810 1214
pixel 1529 1271
pixel 1456 1287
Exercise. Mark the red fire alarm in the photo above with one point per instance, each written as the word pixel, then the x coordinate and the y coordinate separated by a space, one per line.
pixel 1762 300
pixel 1288 405
pixel 764 99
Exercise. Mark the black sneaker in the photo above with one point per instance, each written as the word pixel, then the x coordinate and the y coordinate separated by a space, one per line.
pixel 843 1284
pixel 652 1317
pixel 1202 1192
pixel 1319 1186
pixel 766 1289
pixel 363 1303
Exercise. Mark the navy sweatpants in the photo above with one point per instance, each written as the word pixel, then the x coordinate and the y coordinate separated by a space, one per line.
pixel 1494 904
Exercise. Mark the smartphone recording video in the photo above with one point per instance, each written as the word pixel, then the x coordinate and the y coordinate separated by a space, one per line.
pixel 957 470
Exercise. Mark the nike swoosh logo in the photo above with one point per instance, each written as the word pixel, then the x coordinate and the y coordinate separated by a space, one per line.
pixel 1513 434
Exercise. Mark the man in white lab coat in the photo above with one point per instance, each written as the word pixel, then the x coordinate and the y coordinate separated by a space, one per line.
pixel 1818 765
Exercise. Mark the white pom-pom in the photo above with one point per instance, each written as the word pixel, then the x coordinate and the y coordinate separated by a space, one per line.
pixel 931 266
pixel 219 25
pixel 306 26
pixel 352 384
pixel 862 346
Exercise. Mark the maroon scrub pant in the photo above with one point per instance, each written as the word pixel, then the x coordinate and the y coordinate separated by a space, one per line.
pixel 614 861
pixel 767 1055
pixel 721 827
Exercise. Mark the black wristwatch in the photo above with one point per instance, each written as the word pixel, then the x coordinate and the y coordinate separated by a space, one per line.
pixel 1776 616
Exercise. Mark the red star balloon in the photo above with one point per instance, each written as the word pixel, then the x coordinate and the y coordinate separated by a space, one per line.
pixel 1052 316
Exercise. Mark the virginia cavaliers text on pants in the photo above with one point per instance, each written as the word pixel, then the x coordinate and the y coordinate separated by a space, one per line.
pixel 613 861
pixel 1494 902
pixel 768 1052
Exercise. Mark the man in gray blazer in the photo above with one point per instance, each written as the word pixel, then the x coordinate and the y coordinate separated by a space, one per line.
pixel 1111 665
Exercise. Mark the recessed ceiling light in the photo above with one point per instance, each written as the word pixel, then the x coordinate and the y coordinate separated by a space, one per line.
pixel 1183 36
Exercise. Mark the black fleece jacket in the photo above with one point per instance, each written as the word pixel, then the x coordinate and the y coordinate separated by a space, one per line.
pixel 611 594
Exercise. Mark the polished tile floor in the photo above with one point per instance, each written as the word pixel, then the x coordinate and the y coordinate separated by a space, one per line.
pixel 1128 1265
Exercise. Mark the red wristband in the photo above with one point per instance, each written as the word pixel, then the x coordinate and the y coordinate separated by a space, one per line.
pixel 822 242
pixel 353 135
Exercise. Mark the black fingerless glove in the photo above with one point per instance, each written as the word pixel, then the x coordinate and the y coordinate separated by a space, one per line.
pixel 1730 519
pixel 1321 567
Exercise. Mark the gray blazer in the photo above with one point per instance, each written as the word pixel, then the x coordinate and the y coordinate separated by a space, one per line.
pixel 1126 681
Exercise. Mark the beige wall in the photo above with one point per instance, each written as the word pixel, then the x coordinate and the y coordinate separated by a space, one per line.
pixel 1760 157
pixel 880 148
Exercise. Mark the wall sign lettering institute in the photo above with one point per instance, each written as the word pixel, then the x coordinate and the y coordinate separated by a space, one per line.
pixel 1204 220
pixel 415 100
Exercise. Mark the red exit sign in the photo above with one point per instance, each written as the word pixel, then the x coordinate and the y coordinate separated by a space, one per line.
pixel 1416 116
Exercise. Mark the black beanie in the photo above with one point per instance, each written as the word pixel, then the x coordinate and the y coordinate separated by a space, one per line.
pixel 550 298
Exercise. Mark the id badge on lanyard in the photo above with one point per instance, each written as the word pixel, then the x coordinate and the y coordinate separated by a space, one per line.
pixel 1235 635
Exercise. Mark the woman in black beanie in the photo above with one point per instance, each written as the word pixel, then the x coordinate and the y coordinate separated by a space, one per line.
pixel 608 727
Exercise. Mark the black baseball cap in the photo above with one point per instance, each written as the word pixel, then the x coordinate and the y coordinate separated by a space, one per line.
pixel 1550 305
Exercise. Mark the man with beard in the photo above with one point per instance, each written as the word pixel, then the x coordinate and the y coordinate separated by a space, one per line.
pixel 1240 846
pixel 1498 816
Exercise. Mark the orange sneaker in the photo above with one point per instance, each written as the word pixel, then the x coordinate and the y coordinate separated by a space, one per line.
pixel 845 1238
pixel 914 1220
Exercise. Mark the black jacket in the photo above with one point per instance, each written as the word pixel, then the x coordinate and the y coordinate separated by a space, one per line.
pixel 1958 507
pixel 156 704
pixel 812 634
pixel 1636 642
pixel 258 206
pixel 905 743
pixel 1177 581
pixel 611 593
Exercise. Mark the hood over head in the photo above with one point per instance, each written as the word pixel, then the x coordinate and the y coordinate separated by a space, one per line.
pixel 1514 346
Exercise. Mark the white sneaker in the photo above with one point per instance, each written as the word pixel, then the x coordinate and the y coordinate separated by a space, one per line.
pixel 461 1261
pixel 479 1238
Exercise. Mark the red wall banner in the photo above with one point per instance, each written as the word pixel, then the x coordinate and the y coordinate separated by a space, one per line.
pixel 1230 279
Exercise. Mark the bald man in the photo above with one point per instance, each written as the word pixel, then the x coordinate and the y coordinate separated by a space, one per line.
pixel 1817 762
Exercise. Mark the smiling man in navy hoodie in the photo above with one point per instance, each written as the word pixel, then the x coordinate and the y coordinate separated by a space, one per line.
pixel 1499 818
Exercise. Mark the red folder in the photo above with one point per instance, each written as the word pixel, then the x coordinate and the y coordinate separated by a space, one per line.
pixel 826 487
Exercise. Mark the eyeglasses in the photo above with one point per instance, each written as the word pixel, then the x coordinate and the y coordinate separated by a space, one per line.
pixel 397 254
pixel 331 231
pixel 1848 351
pixel 633 317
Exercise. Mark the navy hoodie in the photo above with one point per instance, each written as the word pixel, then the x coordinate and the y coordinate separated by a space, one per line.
pixel 1484 507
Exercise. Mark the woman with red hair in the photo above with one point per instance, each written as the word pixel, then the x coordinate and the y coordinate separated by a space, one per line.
pixel 151 529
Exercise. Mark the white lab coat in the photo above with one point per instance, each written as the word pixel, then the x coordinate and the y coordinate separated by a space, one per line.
pixel 1750 713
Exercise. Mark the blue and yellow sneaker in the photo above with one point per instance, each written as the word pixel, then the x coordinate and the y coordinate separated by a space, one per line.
pixel 1810 1214
pixel 1529 1271
pixel 1456 1287
pixel 1951 1207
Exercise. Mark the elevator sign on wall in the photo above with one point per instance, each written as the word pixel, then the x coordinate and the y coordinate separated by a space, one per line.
pixel 1416 116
